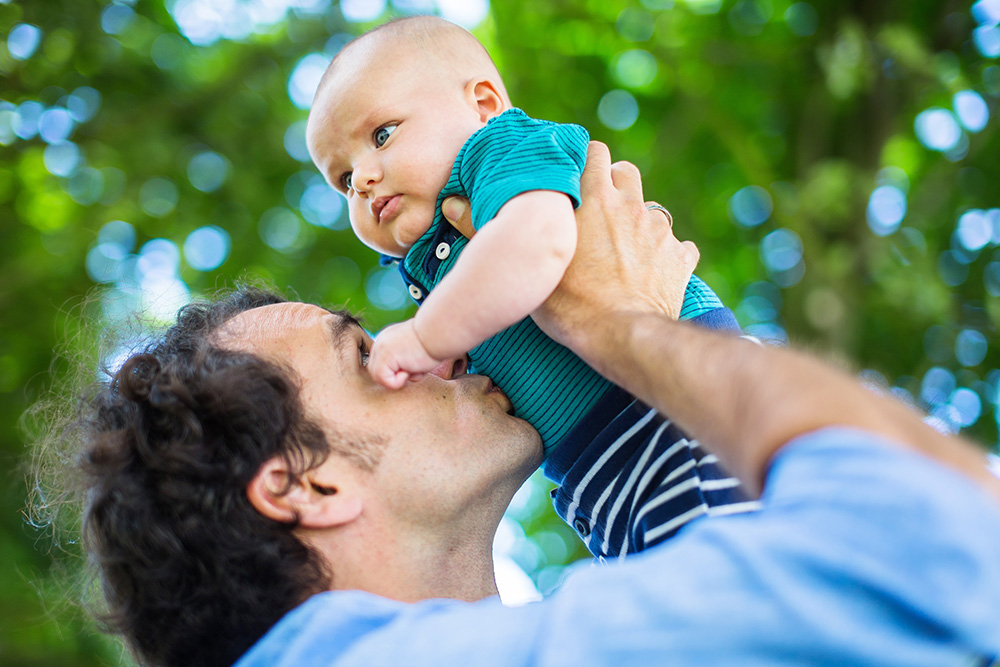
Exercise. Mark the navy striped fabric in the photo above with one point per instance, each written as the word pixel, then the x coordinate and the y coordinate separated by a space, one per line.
pixel 629 479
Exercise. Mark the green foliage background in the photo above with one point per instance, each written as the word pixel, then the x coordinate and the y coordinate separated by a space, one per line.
pixel 736 98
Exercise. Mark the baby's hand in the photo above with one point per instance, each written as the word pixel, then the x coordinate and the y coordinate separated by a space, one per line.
pixel 398 355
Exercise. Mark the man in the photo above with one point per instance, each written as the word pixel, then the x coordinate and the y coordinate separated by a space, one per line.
pixel 867 551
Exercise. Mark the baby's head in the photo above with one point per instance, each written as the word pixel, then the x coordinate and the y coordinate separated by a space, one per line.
pixel 389 117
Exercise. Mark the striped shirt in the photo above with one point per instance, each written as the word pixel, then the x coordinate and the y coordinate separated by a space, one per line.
pixel 629 478
pixel 549 386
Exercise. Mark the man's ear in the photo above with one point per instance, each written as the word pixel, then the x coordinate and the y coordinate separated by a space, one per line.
pixel 484 96
pixel 315 503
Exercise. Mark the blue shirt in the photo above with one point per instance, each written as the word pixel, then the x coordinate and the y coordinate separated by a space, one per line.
pixel 864 554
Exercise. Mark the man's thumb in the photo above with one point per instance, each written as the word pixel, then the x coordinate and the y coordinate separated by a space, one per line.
pixel 454 208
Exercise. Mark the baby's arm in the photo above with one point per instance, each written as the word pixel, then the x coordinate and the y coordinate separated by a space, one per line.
pixel 506 271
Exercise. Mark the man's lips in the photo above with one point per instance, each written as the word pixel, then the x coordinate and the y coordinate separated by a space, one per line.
pixel 493 389
pixel 385 208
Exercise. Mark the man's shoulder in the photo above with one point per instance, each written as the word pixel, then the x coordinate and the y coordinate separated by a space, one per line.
pixel 357 628
pixel 322 627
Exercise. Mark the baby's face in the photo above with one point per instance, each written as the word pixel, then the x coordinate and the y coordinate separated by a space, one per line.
pixel 385 131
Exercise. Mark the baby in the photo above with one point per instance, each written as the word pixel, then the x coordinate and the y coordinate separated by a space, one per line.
pixel 415 111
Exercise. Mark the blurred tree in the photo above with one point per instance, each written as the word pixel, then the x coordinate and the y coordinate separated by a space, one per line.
pixel 832 159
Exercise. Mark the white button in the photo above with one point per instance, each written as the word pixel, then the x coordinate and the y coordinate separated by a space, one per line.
pixel 442 251
pixel 415 292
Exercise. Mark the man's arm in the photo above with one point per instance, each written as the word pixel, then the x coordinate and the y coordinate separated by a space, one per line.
pixel 741 400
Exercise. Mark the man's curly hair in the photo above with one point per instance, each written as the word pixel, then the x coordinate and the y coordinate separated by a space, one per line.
pixel 190 573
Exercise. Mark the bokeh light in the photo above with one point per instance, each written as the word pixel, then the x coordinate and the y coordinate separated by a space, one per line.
pixel 760 310
pixel 748 17
pixel 966 407
pixel 206 248
pixel 162 298
pixel 62 159
pixel 8 116
pixel 86 186
pixel 26 119
pixel 83 103
pixel 953 268
pixel 886 209
pixel 970 347
pixel 361 11
pixel 634 68
pixel 703 7
pixel 295 142
pixel 938 129
pixel 159 259
pixel 974 229
pixel 986 12
pixel 618 110
pixel 958 152
pixel 802 19
pixel 781 252
pixel 55 125
pixel 22 41
pixel 987 40
pixel 158 197
pixel 207 171
pixel 321 205
pixel 991 278
pixel 971 109
pixel 750 206
pixel 305 79
pixel 119 233
pixel 939 343
pixel 635 25
pixel 466 13
pixel 280 229
pixel 937 385
pixel 104 262
pixel 385 288
pixel 116 18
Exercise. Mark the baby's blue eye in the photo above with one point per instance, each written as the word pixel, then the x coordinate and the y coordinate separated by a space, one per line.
pixel 382 134
pixel 345 181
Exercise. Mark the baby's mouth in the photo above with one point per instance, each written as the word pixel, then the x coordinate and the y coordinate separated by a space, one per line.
pixel 385 208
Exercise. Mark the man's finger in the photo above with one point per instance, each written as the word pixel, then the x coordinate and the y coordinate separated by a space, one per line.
pixel 456 211
pixel 692 252
pixel 598 166
pixel 626 177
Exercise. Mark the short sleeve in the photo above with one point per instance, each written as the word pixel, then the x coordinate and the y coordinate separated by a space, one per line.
pixel 515 154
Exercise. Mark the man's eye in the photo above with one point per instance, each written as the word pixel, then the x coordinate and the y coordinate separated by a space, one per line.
pixel 364 355
pixel 382 134
pixel 345 181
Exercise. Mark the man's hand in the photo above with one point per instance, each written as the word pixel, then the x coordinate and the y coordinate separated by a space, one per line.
pixel 398 355
pixel 627 258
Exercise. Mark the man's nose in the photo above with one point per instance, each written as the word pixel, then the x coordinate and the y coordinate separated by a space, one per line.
pixel 452 368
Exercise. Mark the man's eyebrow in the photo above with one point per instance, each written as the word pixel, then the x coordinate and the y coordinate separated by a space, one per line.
pixel 342 326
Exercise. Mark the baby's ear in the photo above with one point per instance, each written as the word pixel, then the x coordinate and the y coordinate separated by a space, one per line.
pixel 484 96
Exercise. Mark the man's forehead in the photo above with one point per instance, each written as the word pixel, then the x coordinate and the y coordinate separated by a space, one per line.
pixel 262 329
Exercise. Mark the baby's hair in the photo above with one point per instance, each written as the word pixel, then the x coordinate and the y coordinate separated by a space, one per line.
pixel 431 37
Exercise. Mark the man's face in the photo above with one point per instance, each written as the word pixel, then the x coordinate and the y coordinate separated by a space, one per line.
pixel 385 130
pixel 449 442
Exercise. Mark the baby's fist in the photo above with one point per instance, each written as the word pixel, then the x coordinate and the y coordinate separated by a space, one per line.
pixel 398 355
